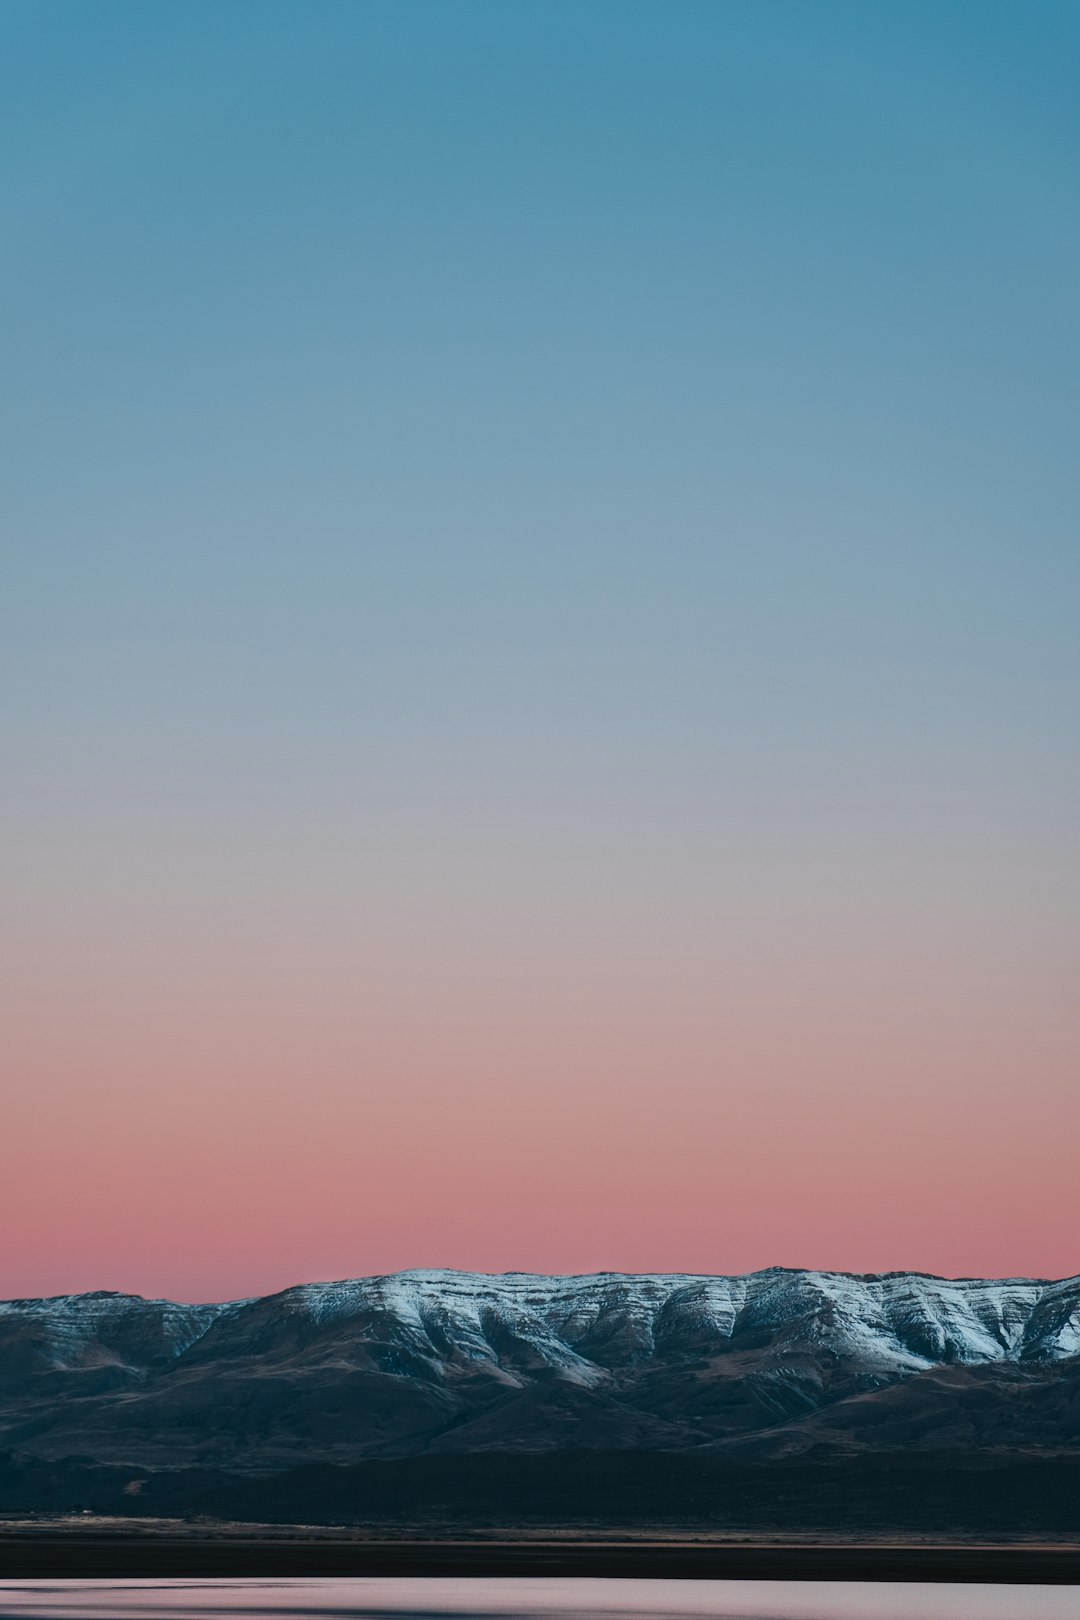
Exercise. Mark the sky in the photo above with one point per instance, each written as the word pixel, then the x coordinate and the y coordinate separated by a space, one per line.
pixel 538 652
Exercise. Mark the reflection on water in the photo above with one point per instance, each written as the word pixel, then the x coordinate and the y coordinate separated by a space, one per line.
pixel 522 1598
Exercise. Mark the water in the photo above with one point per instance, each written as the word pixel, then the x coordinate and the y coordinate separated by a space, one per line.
pixel 522 1598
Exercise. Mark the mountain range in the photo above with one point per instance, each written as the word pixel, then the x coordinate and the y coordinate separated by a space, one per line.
pixel 779 1365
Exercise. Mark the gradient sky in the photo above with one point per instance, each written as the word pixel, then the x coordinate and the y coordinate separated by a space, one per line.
pixel 539 638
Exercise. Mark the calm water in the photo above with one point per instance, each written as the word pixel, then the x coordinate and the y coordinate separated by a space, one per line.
pixel 525 1599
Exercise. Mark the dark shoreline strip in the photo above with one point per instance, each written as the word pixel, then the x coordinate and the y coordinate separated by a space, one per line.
pixel 47 1557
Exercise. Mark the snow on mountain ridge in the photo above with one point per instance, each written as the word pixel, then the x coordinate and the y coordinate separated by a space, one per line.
pixel 94 1330
pixel 579 1327
pixel 910 1321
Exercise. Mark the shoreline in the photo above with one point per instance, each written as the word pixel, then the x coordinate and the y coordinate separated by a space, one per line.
pixel 235 1552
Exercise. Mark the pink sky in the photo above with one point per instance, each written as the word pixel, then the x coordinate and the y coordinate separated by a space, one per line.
pixel 202 1121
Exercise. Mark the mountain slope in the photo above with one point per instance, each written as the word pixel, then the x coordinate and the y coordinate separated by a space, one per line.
pixel 771 1364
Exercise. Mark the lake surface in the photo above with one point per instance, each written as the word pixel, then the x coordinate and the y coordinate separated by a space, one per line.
pixel 521 1598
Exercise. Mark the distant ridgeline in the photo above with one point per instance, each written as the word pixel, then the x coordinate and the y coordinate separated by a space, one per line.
pixel 784 1399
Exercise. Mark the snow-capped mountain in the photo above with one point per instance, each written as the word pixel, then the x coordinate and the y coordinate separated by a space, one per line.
pixel 436 1361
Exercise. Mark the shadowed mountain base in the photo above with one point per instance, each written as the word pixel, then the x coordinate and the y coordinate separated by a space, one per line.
pixel 981 1497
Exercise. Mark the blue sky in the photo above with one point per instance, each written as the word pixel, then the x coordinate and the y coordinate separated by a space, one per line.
pixel 580 377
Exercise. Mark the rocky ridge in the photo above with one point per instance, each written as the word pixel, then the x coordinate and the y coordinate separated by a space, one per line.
pixel 778 1362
